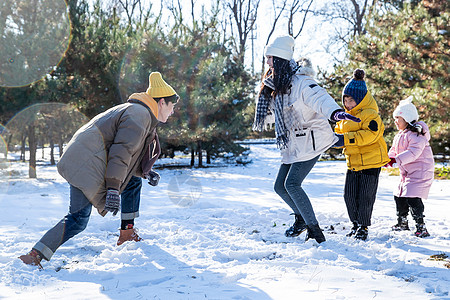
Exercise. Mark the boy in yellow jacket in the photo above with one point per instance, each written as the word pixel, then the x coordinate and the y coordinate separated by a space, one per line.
pixel 365 151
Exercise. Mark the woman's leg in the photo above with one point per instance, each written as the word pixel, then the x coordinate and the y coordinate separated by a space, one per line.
pixel 280 189
pixel 293 185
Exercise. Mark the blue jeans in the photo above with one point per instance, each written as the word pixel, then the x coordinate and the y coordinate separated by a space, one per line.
pixel 131 198
pixel 288 186
pixel 78 217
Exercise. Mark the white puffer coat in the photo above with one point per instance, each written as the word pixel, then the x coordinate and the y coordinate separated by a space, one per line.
pixel 312 107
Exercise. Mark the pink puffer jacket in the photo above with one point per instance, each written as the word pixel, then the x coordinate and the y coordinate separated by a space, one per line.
pixel 415 160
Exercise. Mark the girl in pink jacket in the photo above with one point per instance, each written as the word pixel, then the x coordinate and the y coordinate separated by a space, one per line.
pixel 414 157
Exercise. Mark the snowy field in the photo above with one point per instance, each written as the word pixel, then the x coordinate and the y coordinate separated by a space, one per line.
pixel 218 233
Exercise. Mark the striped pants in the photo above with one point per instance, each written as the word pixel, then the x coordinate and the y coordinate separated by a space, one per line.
pixel 360 193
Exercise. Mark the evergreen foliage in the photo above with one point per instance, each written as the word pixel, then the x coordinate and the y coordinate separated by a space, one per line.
pixel 405 53
pixel 108 59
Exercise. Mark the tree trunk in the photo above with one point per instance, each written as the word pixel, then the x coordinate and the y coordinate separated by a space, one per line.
pixel 60 146
pixel 208 157
pixel 52 153
pixel 22 149
pixel 200 154
pixel 192 156
pixel 32 145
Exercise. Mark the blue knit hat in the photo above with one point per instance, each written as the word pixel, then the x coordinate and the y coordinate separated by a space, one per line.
pixel 356 87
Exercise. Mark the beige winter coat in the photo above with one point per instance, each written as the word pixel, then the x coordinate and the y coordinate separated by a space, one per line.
pixel 108 150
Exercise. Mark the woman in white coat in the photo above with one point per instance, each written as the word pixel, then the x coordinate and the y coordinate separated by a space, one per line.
pixel 301 111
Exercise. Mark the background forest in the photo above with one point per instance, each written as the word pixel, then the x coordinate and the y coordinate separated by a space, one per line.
pixel 57 72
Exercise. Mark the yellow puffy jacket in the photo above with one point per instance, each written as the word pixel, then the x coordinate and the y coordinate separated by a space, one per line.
pixel 365 147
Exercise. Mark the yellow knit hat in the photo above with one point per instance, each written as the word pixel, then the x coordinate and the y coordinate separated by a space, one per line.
pixel 158 88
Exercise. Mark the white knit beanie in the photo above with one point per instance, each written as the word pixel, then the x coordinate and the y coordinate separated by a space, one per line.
pixel 282 47
pixel 407 110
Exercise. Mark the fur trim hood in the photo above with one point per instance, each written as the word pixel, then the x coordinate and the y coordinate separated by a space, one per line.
pixel 305 67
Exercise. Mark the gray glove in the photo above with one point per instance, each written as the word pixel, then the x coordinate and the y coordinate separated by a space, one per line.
pixel 153 178
pixel 112 201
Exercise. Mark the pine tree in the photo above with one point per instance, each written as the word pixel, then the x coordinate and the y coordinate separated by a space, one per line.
pixel 405 53
pixel 213 87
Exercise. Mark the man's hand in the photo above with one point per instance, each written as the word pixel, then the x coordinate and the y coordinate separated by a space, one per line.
pixel 342 115
pixel 153 178
pixel 112 201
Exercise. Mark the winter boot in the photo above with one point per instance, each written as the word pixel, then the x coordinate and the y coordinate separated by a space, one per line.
pixel 129 234
pixel 362 233
pixel 353 230
pixel 32 258
pixel 314 232
pixel 402 224
pixel 421 230
pixel 297 228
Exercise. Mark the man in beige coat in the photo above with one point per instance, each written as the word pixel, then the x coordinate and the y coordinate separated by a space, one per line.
pixel 104 163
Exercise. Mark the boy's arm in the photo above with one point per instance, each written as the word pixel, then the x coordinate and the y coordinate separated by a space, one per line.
pixel 371 129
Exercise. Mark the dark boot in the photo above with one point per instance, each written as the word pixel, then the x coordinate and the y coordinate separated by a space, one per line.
pixel 353 230
pixel 297 228
pixel 402 224
pixel 128 235
pixel 362 233
pixel 32 258
pixel 421 230
pixel 314 232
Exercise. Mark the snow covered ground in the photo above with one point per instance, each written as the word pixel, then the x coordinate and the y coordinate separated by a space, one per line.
pixel 218 233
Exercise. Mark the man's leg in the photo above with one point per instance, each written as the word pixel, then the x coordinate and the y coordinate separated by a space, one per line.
pixel 73 223
pixel 131 197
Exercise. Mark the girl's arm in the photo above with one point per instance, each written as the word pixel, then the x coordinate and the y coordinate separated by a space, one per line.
pixel 393 150
pixel 416 144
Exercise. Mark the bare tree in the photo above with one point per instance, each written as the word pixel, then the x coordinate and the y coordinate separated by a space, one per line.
pixel 295 9
pixel 278 11
pixel 243 18
pixel 347 19
pixel 129 7
pixel 135 10
pixel 177 11
pixel 352 12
